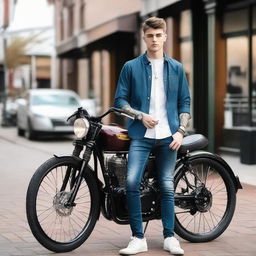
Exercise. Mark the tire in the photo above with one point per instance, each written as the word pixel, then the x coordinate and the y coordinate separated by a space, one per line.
pixel 30 134
pixel 20 132
pixel 211 221
pixel 83 216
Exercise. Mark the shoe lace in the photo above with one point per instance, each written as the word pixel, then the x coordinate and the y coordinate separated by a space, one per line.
pixel 134 241
pixel 175 242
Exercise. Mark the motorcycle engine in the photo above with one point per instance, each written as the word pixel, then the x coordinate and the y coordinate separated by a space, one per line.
pixel 150 195
pixel 117 168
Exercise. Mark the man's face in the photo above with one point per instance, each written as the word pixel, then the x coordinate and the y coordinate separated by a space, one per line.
pixel 154 39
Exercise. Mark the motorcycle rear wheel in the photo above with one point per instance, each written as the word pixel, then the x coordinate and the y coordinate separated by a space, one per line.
pixel 57 227
pixel 206 222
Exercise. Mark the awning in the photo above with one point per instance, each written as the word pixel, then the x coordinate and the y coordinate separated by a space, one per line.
pixel 127 23
pixel 151 6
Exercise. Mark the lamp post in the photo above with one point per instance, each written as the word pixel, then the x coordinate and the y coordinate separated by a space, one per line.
pixel 4 80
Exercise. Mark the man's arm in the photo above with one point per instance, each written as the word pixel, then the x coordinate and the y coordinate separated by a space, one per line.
pixel 137 114
pixel 183 101
pixel 183 110
pixel 183 93
pixel 184 119
pixel 122 96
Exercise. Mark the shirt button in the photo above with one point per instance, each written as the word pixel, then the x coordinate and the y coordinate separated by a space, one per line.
pixel 148 98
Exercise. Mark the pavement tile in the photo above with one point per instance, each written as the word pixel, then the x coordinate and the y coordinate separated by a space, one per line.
pixel 108 237
pixel 12 237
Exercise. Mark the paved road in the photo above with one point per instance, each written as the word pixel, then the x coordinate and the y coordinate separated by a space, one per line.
pixel 19 158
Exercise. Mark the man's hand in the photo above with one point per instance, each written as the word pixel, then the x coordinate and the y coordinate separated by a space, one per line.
pixel 148 121
pixel 177 140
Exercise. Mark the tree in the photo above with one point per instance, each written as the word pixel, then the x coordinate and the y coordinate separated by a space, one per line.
pixel 15 53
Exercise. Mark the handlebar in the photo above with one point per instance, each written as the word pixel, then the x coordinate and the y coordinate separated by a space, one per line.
pixel 113 110
pixel 119 112
pixel 83 113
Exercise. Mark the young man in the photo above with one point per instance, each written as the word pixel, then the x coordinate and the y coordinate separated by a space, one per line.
pixel 154 88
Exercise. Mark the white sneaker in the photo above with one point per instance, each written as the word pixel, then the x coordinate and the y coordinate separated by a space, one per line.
pixel 172 245
pixel 136 245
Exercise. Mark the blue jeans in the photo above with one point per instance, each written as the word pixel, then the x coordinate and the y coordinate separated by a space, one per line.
pixel 165 163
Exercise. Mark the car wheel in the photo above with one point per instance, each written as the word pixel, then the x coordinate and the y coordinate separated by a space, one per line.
pixel 30 133
pixel 21 132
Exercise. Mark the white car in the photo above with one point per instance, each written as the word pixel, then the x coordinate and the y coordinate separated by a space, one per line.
pixel 45 111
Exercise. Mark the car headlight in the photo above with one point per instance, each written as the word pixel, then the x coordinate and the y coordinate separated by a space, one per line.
pixel 81 127
pixel 38 115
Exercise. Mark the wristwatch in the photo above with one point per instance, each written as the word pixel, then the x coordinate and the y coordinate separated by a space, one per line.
pixel 139 116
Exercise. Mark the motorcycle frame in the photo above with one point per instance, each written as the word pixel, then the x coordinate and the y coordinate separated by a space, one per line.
pixel 210 156
pixel 92 147
pixel 98 154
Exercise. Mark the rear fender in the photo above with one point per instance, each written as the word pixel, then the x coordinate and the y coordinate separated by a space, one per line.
pixel 208 155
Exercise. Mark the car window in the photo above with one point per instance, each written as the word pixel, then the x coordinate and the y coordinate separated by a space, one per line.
pixel 54 100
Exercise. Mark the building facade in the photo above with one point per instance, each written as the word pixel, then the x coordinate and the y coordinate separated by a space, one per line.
pixel 33 39
pixel 93 40
pixel 6 15
pixel 215 40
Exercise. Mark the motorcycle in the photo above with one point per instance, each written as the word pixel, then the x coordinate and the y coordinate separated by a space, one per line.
pixel 66 195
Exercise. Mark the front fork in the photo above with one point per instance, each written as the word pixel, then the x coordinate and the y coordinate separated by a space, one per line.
pixel 77 180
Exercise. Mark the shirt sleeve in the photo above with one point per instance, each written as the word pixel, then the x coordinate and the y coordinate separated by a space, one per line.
pixel 183 93
pixel 122 95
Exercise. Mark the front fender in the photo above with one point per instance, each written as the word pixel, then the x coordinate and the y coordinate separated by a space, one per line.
pixel 71 156
pixel 208 155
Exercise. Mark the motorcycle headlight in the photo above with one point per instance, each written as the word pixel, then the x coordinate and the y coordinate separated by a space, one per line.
pixel 81 127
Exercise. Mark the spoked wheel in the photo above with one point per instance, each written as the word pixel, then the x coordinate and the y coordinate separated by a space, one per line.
pixel 209 213
pixel 58 227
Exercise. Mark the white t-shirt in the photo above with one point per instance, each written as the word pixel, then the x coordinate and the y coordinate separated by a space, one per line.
pixel 157 108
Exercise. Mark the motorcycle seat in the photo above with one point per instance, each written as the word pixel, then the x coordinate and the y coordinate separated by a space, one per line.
pixel 193 142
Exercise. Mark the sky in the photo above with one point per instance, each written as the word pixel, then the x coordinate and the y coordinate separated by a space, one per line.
pixel 32 14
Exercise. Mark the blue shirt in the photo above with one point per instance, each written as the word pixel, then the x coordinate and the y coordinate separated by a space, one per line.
pixel 134 89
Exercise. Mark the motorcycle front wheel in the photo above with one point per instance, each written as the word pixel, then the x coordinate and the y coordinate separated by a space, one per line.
pixel 56 226
pixel 208 215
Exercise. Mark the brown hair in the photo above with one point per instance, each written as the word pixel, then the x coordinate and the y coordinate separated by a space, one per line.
pixel 154 22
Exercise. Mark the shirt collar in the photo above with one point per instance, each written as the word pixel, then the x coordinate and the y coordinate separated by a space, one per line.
pixel 146 60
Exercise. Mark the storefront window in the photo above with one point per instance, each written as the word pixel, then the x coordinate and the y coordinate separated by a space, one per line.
pixel 235 21
pixel 254 18
pixel 237 92
pixel 186 50
pixel 254 82
pixel 186 60
pixel 185 24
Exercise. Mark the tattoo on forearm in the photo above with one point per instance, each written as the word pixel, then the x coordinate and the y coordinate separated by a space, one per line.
pixel 130 110
pixel 184 118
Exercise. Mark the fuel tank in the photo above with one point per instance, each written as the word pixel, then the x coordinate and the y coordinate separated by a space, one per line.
pixel 114 138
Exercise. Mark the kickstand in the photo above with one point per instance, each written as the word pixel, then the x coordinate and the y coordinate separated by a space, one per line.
pixel 145 229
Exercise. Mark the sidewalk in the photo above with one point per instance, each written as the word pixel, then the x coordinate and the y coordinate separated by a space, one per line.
pixel 246 173
pixel 108 237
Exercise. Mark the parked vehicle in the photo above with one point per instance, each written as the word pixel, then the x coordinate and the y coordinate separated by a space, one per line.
pixel 65 195
pixel 45 111
pixel 90 105
pixel 9 113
